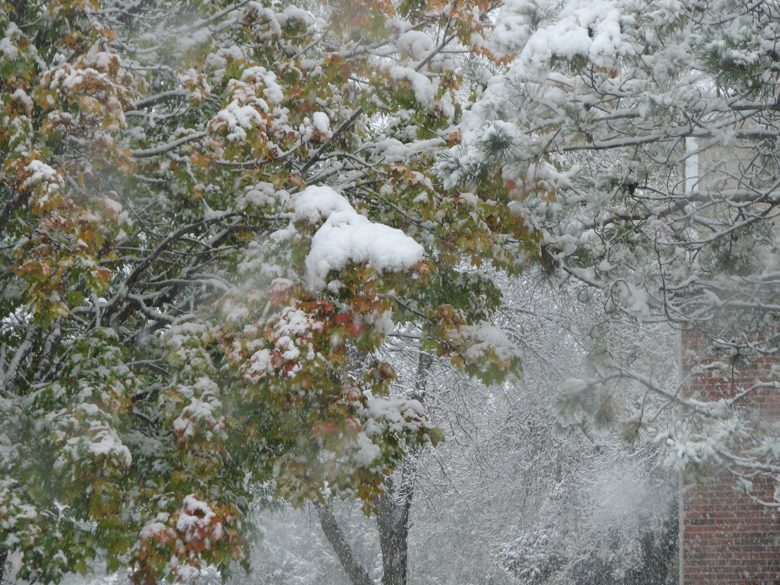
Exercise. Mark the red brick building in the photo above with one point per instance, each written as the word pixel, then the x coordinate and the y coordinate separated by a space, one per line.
pixel 725 537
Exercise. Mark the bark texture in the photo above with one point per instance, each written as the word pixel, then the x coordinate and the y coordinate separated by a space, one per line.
pixel 3 559
pixel 330 526
pixel 393 522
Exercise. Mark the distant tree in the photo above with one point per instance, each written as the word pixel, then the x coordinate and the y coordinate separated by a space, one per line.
pixel 208 210
pixel 557 490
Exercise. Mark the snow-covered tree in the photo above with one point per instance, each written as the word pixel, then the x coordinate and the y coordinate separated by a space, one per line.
pixel 511 495
pixel 561 504
pixel 640 138
pixel 209 209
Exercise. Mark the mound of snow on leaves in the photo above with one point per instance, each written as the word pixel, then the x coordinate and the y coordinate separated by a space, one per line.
pixel 346 236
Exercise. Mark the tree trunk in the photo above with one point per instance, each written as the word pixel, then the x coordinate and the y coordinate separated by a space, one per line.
pixel 357 574
pixel 394 507
pixel 393 522
pixel 14 201
pixel 3 559
pixel 392 512
pixel 13 372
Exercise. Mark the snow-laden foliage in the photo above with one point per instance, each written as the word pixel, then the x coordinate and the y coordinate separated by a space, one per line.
pixel 209 209
pixel 640 138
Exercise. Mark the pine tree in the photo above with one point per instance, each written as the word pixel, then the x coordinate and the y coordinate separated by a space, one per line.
pixel 640 138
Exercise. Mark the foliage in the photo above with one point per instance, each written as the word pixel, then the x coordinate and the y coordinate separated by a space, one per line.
pixel 208 210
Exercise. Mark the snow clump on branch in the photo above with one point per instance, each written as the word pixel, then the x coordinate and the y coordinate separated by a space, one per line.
pixel 346 236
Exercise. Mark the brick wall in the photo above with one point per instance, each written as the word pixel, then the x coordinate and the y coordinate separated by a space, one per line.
pixel 726 538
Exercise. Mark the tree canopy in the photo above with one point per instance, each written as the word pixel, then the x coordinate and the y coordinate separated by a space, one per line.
pixel 213 214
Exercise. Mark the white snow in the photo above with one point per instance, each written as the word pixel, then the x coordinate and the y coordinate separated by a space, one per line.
pixel 392 150
pixel 367 451
pixel 7 47
pixel 321 122
pixel 392 413
pixel 44 180
pixel 487 338
pixel 259 365
pixel 266 25
pixel 112 205
pixel 294 322
pixel 196 83
pixel 235 312
pixel 197 521
pixel 293 13
pixel 347 236
pixel 316 203
pixel 424 90
pixel 187 573
pixel 261 195
pixel 260 77
pixel 109 444
pixel 237 119
pixel 414 43
pixel 586 28
pixel 25 99
pixel 198 412
pixel 152 530
pixel 41 172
